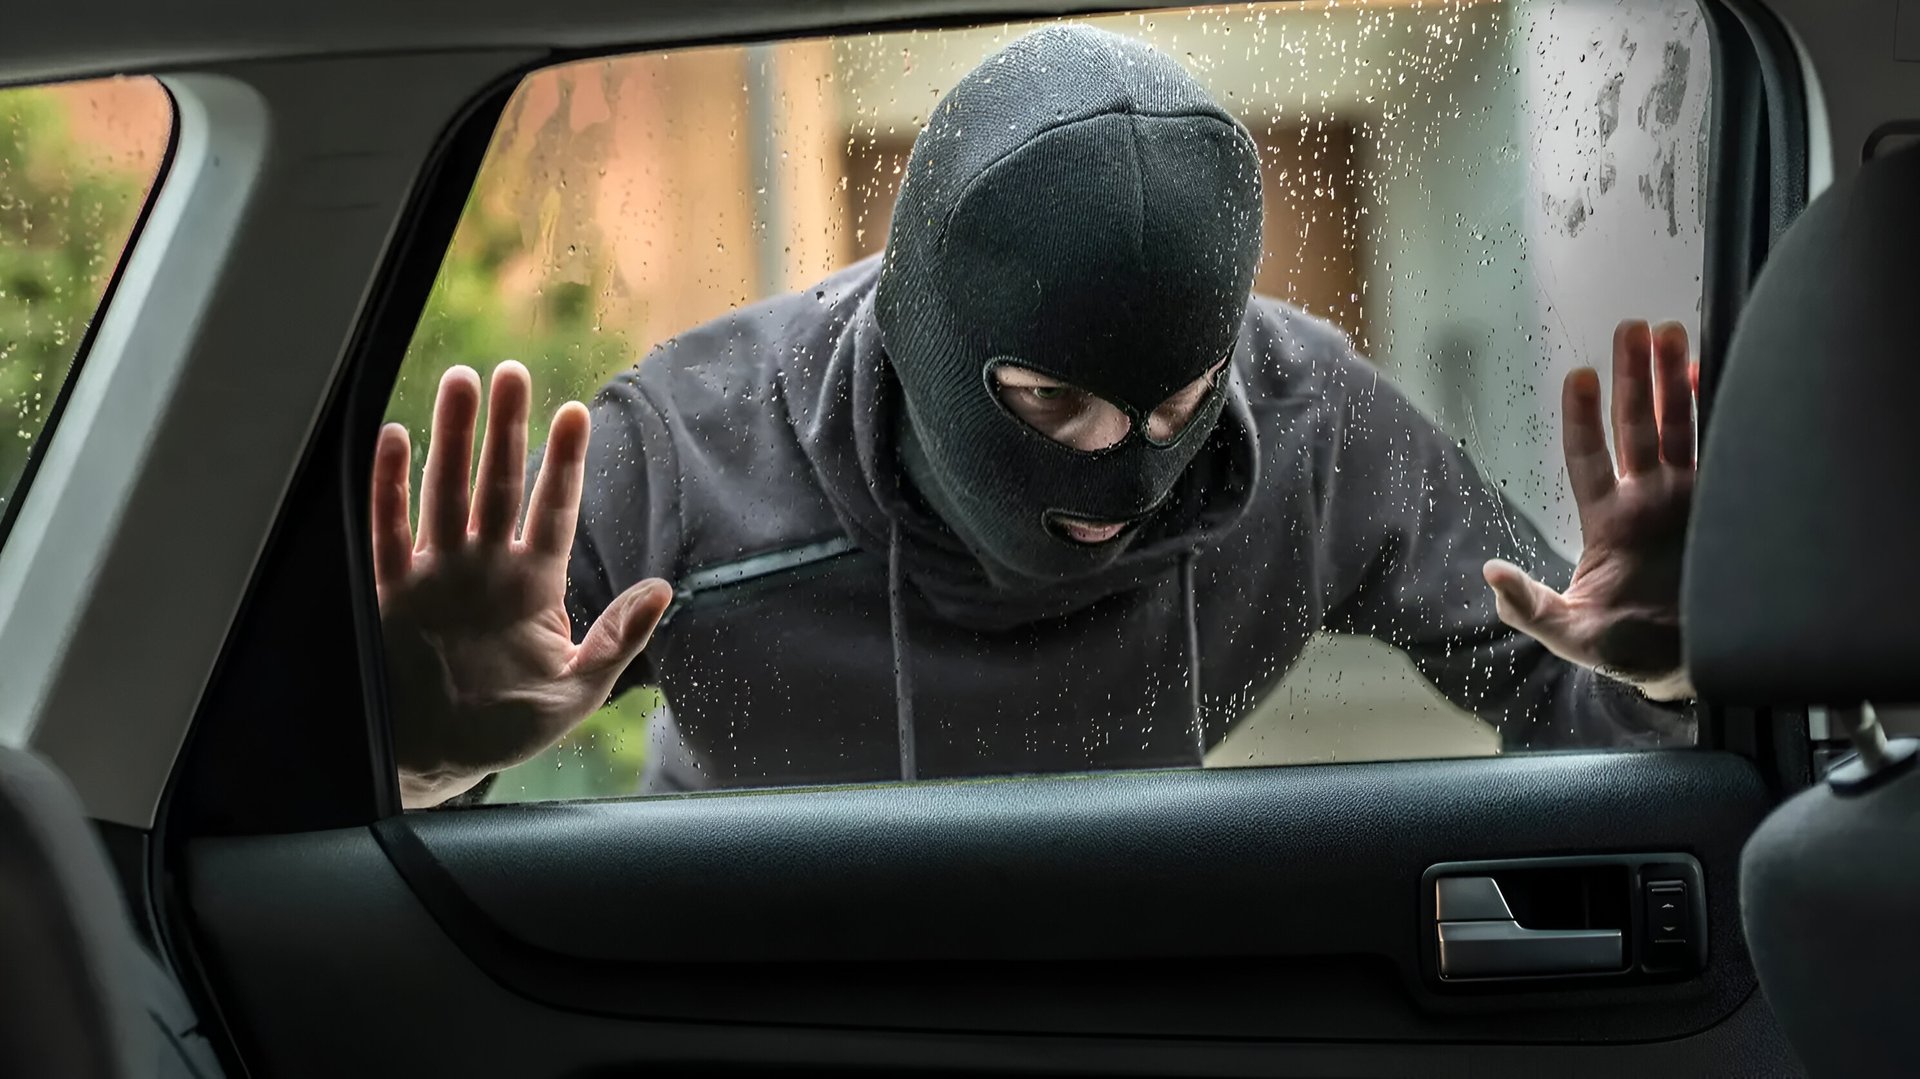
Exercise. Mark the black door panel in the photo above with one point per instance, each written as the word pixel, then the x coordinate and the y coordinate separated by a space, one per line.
pixel 1272 904
pixel 323 988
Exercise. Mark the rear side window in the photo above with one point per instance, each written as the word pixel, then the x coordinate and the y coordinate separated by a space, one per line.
pixel 968 528
pixel 77 163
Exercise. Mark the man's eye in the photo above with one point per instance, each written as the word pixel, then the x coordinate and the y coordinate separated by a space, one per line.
pixel 1047 393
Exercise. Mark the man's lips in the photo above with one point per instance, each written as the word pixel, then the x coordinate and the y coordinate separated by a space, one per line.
pixel 1082 531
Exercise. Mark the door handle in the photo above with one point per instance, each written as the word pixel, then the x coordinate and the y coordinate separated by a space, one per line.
pixel 1542 923
pixel 1509 949
pixel 1480 938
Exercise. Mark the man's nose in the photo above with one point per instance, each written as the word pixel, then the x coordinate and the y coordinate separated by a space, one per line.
pixel 1105 427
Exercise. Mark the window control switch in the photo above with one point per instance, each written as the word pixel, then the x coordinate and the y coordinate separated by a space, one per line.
pixel 1670 927
pixel 1668 917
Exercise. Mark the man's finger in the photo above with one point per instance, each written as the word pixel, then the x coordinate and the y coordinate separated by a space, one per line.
pixel 555 506
pixel 443 485
pixel 392 533
pixel 1522 602
pixel 1584 438
pixel 1673 388
pixel 503 456
pixel 1636 436
pixel 622 631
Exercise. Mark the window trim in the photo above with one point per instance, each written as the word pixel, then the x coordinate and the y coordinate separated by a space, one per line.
pixel 339 455
pixel 1758 151
pixel 208 791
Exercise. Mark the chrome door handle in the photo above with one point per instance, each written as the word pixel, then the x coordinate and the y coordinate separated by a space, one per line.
pixel 1480 938
pixel 1506 949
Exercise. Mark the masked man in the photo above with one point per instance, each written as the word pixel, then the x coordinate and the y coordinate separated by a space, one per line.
pixel 1042 488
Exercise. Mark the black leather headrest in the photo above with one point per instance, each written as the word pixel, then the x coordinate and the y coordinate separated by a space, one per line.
pixel 1802 581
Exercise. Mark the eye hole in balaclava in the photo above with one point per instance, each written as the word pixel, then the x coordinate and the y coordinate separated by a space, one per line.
pixel 1085 421
pixel 1078 206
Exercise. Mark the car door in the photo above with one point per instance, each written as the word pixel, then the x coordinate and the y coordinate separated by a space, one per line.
pixel 1467 915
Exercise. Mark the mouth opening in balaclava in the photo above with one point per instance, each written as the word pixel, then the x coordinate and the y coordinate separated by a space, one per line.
pixel 1080 207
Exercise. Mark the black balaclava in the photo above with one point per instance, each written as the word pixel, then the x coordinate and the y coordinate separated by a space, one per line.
pixel 1077 205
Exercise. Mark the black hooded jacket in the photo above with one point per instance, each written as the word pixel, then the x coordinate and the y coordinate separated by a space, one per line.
pixel 831 626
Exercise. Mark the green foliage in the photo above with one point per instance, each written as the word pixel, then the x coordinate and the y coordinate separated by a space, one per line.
pixel 602 758
pixel 468 321
pixel 63 224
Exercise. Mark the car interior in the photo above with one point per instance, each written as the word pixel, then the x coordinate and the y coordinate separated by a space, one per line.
pixel 205 865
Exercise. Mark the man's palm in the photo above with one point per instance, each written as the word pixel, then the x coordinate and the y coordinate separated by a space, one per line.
pixel 483 669
pixel 1620 612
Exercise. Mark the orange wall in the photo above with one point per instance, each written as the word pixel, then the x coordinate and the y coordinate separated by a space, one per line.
pixel 123 123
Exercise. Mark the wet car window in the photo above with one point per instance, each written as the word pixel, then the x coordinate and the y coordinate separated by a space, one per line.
pixel 77 162
pixel 798 286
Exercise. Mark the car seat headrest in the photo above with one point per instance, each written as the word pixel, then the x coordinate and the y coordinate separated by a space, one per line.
pixel 1801 577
